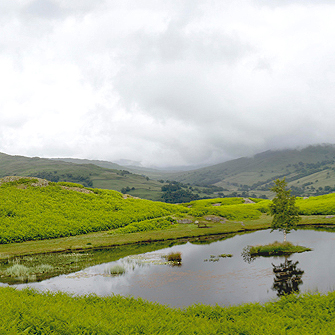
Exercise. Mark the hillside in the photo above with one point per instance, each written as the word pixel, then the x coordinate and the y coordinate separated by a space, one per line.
pixel 110 176
pixel 36 209
pixel 309 171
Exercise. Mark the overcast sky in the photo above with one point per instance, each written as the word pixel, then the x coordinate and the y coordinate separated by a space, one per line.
pixel 165 83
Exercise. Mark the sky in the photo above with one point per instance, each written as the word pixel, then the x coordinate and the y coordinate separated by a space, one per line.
pixel 165 83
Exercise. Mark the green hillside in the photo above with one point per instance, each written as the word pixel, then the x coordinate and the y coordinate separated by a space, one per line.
pixel 88 174
pixel 36 209
pixel 309 171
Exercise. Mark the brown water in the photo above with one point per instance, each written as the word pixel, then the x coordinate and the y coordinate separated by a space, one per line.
pixel 206 278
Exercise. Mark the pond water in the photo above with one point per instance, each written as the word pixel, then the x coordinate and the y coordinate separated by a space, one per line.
pixel 204 277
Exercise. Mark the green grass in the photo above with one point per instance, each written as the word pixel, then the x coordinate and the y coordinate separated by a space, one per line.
pixel 29 312
pixel 29 212
pixel 276 249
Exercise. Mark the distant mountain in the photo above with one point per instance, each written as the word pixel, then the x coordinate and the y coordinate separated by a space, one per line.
pixel 309 171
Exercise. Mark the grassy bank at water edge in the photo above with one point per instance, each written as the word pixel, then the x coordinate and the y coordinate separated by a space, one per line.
pixel 29 312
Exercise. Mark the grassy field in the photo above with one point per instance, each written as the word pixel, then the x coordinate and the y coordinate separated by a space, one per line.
pixel 29 312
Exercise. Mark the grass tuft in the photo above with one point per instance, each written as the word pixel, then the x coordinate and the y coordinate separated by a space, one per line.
pixel 174 257
pixel 116 270
pixel 18 270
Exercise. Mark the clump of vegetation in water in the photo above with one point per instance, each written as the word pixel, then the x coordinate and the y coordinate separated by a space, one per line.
pixel 18 270
pixel 116 270
pixel 225 255
pixel 174 257
pixel 274 249
pixel 23 273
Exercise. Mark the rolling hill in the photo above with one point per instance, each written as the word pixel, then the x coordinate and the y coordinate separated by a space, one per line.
pixel 112 177
pixel 308 171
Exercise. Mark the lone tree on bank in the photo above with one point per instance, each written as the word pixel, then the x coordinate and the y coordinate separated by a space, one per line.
pixel 283 208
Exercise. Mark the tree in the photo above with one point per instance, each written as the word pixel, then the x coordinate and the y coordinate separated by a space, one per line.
pixel 283 208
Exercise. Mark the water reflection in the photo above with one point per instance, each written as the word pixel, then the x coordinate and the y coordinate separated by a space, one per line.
pixel 212 273
pixel 287 277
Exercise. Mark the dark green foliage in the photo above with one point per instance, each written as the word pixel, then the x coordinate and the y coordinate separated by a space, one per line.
pixel 285 212
pixel 175 192
pixel 29 312
pixel 65 177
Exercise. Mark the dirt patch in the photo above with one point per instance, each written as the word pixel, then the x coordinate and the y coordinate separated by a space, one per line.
pixel 184 221
pixel 216 219
pixel 40 182
pixel 77 189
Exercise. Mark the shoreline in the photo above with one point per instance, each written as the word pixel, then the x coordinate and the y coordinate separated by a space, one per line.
pixel 105 240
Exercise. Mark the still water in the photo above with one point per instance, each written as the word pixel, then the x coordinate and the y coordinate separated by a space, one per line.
pixel 206 278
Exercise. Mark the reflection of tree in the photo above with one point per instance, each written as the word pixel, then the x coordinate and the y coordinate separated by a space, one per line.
pixel 287 277
pixel 246 255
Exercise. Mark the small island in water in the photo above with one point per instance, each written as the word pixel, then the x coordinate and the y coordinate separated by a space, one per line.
pixel 274 249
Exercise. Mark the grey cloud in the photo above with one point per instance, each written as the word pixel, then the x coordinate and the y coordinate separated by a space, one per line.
pixel 45 9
